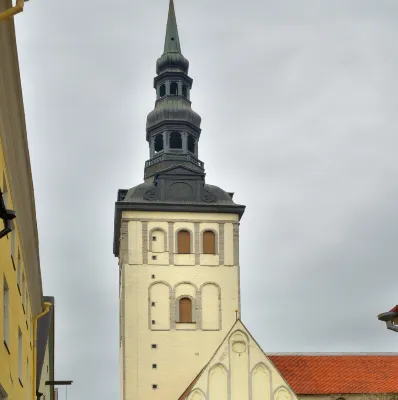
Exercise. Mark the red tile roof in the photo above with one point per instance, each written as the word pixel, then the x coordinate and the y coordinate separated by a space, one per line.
pixel 335 374
pixel 395 309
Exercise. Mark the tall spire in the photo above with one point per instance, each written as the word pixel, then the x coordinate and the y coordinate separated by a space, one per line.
pixel 172 41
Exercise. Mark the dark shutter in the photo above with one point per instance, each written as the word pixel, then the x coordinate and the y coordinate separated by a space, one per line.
pixel 185 310
pixel 209 242
pixel 184 242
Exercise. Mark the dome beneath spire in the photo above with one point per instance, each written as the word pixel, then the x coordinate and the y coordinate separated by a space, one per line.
pixel 173 108
pixel 172 62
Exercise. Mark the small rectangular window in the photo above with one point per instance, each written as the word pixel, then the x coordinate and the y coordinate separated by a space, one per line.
pixel 20 355
pixel 12 243
pixel 154 346
pixel 5 191
pixel 19 271
pixel 23 293
pixel 154 238
pixel 153 322
pixel 153 276
pixel 154 366
pixel 154 386
pixel 154 257
pixel 6 307
pixel 153 304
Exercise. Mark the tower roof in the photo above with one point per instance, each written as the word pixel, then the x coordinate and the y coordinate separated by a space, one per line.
pixel 172 41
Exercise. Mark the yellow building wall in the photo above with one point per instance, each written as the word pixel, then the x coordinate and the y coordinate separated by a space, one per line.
pixel 19 317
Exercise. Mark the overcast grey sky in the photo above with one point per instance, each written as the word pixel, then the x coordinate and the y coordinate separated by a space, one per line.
pixel 299 105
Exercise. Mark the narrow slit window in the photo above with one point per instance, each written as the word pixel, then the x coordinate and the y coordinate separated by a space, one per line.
pixel 20 355
pixel 184 242
pixel 6 319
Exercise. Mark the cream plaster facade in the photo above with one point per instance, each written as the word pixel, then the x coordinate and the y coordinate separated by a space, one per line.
pixel 155 348
pixel 239 370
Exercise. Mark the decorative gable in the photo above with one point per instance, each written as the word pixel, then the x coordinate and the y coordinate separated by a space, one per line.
pixel 239 370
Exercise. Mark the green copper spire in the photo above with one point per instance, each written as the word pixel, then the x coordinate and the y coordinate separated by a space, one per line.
pixel 172 41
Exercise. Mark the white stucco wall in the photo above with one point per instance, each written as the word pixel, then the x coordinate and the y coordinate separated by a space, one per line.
pixel 181 349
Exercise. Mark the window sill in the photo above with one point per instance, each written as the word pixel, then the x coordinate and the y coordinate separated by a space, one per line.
pixel 7 348
pixel 186 326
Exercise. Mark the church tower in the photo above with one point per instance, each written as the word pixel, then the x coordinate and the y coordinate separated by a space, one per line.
pixel 177 241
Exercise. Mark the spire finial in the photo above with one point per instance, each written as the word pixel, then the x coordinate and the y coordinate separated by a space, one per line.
pixel 172 41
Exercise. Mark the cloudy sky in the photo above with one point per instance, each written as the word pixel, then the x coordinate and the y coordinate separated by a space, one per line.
pixel 299 105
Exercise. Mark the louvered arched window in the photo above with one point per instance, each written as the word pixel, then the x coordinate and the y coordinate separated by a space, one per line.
pixel 185 310
pixel 184 242
pixel 209 242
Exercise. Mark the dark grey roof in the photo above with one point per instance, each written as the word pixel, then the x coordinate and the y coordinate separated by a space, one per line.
pixel 138 194
pixel 173 108
pixel 43 331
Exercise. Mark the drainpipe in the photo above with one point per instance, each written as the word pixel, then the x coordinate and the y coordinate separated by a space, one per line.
pixel 12 11
pixel 47 307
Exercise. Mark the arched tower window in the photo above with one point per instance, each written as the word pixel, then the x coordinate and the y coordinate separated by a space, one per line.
pixel 162 90
pixel 185 90
pixel 173 88
pixel 191 144
pixel 158 143
pixel 209 242
pixel 184 242
pixel 175 140
pixel 185 310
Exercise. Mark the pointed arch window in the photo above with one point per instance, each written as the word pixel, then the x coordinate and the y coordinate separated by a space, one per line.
pixel 173 88
pixel 185 310
pixel 209 242
pixel 184 242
